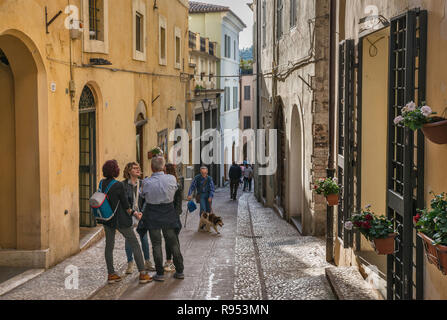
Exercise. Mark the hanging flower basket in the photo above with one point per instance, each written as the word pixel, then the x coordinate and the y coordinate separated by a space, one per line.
pixel 330 189
pixel 436 132
pixel 332 199
pixel 154 152
pixel 436 254
pixel 377 229
pixel 384 245
pixel 432 229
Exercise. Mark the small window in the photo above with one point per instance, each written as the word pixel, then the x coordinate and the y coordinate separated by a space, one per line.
pixel 293 13
pixel 227 99
pixel 235 51
pixel 227 46
pixel 235 97
pixel 247 123
pixel 162 43
pixel 96 19
pixel 139 32
pixel 247 92
pixel 178 48
pixel 279 22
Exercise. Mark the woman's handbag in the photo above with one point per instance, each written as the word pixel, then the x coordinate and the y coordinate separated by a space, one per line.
pixel 135 221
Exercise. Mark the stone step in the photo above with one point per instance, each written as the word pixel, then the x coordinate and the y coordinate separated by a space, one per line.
pixel 348 284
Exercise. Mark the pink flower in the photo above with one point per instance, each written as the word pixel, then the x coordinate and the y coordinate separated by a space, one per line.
pixel 426 111
pixel 411 106
pixel 398 120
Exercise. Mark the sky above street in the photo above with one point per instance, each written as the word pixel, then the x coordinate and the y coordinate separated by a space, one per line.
pixel 241 9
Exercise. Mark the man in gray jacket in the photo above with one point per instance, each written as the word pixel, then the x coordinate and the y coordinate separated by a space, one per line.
pixel 159 215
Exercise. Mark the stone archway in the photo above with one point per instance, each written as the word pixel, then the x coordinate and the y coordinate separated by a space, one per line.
pixel 296 172
pixel 24 139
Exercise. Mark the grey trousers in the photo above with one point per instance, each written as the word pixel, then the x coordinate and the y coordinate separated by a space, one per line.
pixel 131 239
pixel 171 241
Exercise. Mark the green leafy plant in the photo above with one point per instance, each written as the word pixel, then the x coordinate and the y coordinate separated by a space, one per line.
pixel 415 117
pixel 433 221
pixel 327 186
pixel 156 151
pixel 371 225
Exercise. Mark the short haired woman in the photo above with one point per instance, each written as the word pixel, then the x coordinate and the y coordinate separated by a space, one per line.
pixel 178 199
pixel 132 187
pixel 121 221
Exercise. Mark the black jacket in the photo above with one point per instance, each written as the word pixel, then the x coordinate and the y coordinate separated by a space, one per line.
pixel 116 195
pixel 178 199
pixel 235 172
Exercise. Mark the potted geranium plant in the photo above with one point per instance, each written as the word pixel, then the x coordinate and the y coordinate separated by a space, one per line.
pixel 330 189
pixel 431 224
pixel 422 117
pixel 155 152
pixel 377 229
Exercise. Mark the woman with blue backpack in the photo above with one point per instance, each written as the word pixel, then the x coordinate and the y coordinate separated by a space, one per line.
pixel 120 220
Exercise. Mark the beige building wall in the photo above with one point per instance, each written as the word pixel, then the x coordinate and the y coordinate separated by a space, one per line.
pixel 47 168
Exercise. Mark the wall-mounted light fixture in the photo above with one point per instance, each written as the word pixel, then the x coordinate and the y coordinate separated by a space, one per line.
pixel 155 5
pixel 172 108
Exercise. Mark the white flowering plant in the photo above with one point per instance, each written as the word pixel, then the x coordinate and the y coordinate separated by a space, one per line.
pixel 414 117
pixel 433 221
pixel 327 186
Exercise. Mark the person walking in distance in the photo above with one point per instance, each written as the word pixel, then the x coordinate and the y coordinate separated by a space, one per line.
pixel 204 186
pixel 248 175
pixel 235 175
pixel 178 199
pixel 160 216
pixel 121 221
pixel 132 188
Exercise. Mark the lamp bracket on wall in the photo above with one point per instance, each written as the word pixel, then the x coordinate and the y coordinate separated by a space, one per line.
pixel 156 99
pixel 155 5
pixel 48 23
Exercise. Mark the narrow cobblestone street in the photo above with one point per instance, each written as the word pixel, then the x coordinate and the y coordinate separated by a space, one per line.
pixel 257 256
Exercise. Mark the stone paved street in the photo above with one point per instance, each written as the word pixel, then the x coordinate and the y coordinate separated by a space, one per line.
pixel 258 255
pixel 264 258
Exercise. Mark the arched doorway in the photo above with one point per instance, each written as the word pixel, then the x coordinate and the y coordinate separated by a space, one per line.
pixel 87 155
pixel 23 134
pixel 281 152
pixel 295 185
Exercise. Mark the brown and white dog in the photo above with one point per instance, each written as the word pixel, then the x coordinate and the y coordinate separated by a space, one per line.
pixel 208 220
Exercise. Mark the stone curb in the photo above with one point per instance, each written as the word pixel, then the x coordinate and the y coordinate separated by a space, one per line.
pixel 348 284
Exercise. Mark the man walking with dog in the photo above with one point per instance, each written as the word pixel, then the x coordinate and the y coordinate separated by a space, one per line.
pixel 160 215
pixel 235 177
pixel 204 186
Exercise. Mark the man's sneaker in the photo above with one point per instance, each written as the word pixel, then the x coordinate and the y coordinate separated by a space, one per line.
pixel 145 278
pixel 169 267
pixel 130 267
pixel 149 266
pixel 113 278
pixel 179 275
pixel 159 277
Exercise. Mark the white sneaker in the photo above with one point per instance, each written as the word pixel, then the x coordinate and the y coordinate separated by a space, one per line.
pixel 169 267
pixel 149 266
pixel 130 267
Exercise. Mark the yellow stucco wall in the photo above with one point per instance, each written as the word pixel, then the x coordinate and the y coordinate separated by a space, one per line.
pixel 117 92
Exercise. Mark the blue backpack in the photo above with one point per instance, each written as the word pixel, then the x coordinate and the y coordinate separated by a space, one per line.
pixel 99 202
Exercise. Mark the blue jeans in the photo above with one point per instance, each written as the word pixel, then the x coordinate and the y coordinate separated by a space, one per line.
pixel 204 204
pixel 144 247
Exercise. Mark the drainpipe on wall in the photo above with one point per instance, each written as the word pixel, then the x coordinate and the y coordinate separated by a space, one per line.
pixel 274 76
pixel 258 95
pixel 331 163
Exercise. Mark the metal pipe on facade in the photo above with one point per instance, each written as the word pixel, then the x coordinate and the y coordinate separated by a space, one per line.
pixel 331 159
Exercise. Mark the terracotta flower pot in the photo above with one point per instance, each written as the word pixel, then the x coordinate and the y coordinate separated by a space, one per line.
pixel 332 199
pixel 436 254
pixel 385 245
pixel 436 132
